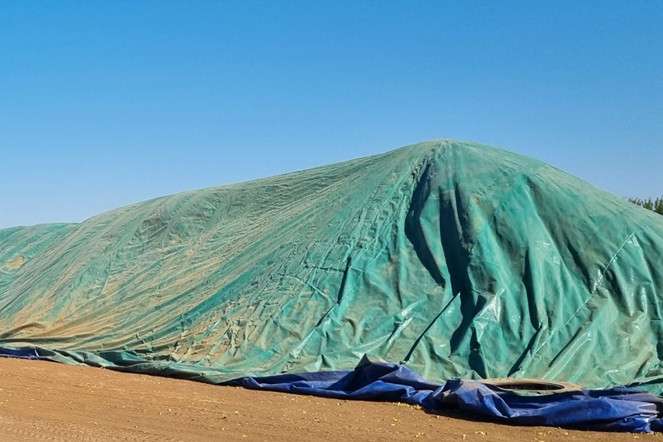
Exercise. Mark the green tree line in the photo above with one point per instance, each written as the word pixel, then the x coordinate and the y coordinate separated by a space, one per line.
pixel 652 204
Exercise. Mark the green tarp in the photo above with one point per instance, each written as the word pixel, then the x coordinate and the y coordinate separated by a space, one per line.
pixel 457 259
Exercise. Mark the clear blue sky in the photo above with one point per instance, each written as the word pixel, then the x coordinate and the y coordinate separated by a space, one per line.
pixel 104 103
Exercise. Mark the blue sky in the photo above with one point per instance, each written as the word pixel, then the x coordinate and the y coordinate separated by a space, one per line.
pixel 107 103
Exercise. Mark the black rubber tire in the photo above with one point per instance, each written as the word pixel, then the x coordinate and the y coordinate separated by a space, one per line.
pixel 532 386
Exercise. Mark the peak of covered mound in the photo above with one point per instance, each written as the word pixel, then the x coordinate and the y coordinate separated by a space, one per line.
pixel 458 259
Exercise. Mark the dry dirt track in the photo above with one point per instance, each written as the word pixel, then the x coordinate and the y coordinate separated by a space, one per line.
pixel 53 402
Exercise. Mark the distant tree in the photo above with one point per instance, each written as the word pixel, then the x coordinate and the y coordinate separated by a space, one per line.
pixel 655 205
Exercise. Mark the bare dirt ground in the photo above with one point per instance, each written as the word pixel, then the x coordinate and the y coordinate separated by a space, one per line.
pixel 48 401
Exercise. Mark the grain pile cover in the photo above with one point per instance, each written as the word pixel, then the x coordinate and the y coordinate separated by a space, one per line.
pixel 458 260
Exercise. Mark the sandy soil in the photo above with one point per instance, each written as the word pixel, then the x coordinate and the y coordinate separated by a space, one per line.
pixel 48 401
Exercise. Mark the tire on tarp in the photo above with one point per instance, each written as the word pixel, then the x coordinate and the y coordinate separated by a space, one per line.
pixel 532 386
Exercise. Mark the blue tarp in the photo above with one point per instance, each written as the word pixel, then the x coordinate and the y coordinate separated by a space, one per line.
pixel 615 409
